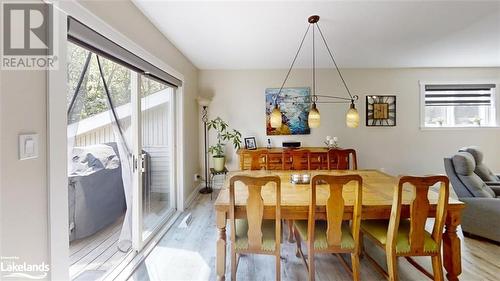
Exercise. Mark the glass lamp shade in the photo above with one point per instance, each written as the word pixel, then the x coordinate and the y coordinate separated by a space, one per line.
pixel 276 117
pixel 203 101
pixel 352 117
pixel 314 117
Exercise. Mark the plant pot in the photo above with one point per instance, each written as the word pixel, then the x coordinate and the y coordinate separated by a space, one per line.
pixel 219 163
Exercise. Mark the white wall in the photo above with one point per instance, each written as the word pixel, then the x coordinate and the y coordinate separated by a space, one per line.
pixel 238 97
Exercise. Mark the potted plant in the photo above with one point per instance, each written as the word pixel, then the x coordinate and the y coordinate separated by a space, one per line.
pixel 476 121
pixel 224 136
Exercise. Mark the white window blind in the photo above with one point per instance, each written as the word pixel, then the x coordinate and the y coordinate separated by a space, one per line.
pixel 459 105
pixel 459 95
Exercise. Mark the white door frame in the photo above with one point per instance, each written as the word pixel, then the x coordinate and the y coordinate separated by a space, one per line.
pixel 57 128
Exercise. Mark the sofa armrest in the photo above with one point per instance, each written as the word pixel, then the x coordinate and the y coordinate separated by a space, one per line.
pixel 482 208
pixel 495 188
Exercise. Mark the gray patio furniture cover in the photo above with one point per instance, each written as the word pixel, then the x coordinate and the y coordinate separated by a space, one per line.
pixel 95 190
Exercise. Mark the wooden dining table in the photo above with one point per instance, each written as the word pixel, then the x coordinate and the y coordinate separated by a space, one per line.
pixel 378 189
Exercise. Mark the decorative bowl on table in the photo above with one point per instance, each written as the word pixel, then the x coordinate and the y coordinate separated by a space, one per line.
pixel 300 178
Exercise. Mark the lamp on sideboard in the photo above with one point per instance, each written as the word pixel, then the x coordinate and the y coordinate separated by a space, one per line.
pixel 204 102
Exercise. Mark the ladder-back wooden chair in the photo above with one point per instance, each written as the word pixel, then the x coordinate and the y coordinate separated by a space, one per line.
pixel 296 159
pixel 340 159
pixel 254 235
pixel 333 235
pixel 259 159
pixel 408 237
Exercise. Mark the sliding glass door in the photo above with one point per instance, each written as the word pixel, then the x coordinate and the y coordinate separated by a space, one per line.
pixel 157 138
pixel 121 174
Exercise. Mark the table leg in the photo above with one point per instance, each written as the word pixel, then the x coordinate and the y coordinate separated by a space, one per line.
pixel 221 246
pixel 451 246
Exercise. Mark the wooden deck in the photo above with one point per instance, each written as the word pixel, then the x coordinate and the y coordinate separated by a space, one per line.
pixel 92 257
pixel 189 254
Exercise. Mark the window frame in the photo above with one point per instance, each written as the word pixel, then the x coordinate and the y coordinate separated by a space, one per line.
pixel 495 102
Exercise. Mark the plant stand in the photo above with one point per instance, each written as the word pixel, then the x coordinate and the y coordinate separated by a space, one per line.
pixel 210 183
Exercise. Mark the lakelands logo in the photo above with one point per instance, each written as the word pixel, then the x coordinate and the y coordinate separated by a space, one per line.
pixel 12 267
pixel 28 41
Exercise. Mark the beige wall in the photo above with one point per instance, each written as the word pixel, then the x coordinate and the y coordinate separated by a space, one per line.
pixel 238 97
pixel 23 105
pixel 23 184
pixel 133 24
pixel 23 187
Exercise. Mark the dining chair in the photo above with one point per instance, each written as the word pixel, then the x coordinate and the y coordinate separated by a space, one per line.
pixel 255 235
pixel 293 159
pixel 340 159
pixel 332 235
pixel 408 237
pixel 259 159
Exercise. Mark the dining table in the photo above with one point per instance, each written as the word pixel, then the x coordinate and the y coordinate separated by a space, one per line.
pixel 377 197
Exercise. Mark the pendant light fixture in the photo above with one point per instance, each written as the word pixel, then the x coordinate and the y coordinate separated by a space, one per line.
pixel 352 117
pixel 314 117
pixel 276 116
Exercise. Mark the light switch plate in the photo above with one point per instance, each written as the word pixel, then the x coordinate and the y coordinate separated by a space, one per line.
pixel 28 146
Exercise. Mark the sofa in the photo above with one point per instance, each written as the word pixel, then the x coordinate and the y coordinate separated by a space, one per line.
pixel 480 194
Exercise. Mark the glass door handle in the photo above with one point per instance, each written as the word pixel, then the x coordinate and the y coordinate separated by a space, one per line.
pixel 143 162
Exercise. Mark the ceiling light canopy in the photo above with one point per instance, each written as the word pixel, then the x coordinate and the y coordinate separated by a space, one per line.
pixel 314 117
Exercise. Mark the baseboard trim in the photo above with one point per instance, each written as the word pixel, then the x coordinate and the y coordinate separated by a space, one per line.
pixel 192 197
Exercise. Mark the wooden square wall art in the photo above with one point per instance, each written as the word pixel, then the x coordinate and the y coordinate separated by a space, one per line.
pixel 380 111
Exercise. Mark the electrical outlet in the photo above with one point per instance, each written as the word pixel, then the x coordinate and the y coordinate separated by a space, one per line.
pixel 197 177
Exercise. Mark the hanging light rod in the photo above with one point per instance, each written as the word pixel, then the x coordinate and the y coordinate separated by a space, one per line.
pixel 352 116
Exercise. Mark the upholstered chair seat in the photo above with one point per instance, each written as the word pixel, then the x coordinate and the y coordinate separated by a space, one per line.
pixel 378 230
pixel 268 235
pixel 320 239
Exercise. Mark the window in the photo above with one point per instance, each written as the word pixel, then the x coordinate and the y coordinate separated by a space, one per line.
pixel 458 105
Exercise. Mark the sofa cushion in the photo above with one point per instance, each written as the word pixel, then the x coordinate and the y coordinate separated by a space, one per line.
pixel 481 169
pixel 464 166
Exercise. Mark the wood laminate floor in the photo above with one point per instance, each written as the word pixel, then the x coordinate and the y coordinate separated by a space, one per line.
pixel 189 254
pixel 91 257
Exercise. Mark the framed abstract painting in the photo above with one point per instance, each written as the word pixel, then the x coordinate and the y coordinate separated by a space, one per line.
pixel 294 106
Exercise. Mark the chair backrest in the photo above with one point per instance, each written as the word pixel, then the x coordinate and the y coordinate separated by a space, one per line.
pixel 255 208
pixel 256 157
pixel 464 165
pixel 419 209
pixel 293 159
pixel 335 208
pixel 481 169
pixel 340 159
pixel 459 187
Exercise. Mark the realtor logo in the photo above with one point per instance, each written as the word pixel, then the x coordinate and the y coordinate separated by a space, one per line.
pixel 27 35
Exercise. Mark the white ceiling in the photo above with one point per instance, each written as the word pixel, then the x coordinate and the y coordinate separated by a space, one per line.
pixel 266 34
